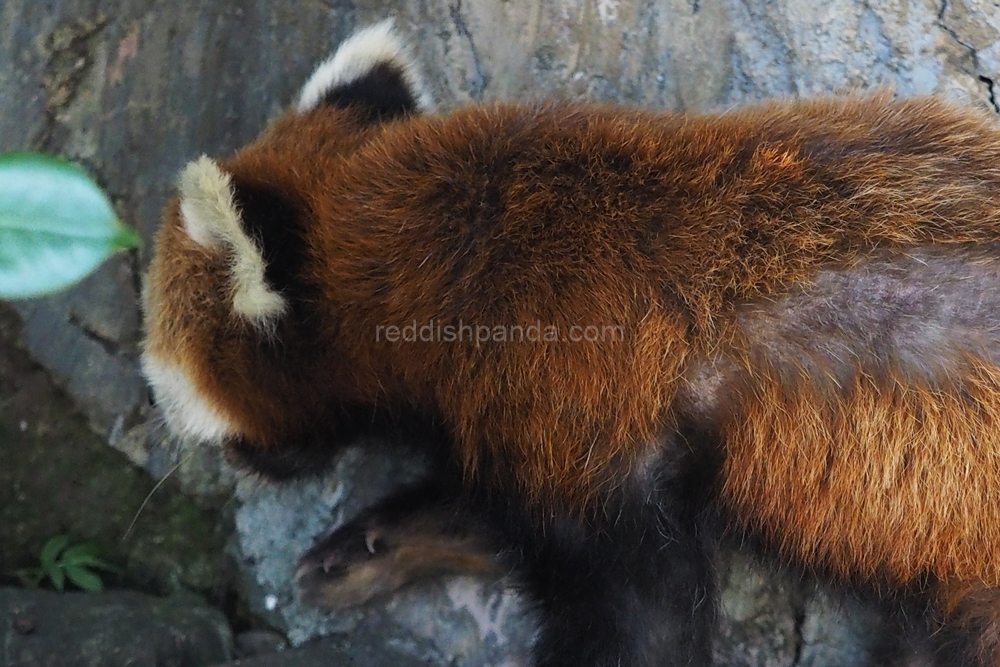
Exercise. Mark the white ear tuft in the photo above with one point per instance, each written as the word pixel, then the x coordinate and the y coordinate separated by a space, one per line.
pixel 207 203
pixel 357 56
pixel 253 299
pixel 212 220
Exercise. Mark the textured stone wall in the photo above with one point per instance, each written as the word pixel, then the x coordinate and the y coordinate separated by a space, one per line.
pixel 132 89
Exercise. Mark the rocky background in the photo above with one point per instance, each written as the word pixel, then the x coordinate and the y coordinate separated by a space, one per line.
pixel 132 89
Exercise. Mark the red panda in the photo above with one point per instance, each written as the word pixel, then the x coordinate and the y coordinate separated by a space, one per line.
pixel 788 314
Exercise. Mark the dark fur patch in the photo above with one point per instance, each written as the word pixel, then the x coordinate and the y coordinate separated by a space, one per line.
pixel 312 452
pixel 274 221
pixel 309 454
pixel 604 591
pixel 302 459
pixel 381 94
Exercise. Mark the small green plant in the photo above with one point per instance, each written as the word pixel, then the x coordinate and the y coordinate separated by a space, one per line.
pixel 56 225
pixel 59 561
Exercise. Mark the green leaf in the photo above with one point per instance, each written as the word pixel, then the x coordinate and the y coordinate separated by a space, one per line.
pixel 99 564
pixel 51 550
pixel 79 553
pixel 56 225
pixel 88 562
pixel 84 579
pixel 57 577
pixel 85 555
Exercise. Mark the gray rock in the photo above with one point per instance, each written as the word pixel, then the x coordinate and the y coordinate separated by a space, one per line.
pixel 459 621
pixel 251 643
pixel 86 337
pixel 57 477
pixel 333 652
pixel 109 629
pixel 758 611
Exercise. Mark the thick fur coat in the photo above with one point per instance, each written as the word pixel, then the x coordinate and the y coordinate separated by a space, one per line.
pixel 788 314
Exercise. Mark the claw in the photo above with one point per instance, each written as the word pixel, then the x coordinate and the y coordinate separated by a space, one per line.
pixel 330 560
pixel 304 570
pixel 371 535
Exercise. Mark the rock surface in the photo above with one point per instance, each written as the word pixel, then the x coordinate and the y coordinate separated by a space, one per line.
pixel 114 629
pixel 134 88
pixel 333 652
pixel 58 477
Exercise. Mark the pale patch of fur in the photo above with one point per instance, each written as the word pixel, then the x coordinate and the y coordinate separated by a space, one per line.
pixel 211 219
pixel 358 55
pixel 186 411
pixel 921 313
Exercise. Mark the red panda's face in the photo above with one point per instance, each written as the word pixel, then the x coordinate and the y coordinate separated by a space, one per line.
pixel 226 351
pixel 182 307
pixel 209 308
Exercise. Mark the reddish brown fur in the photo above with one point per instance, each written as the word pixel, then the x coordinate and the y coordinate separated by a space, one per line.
pixel 660 224
pixel 894 479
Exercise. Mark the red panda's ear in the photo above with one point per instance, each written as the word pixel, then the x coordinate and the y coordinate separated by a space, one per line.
pixel 211 218
pixel 373 72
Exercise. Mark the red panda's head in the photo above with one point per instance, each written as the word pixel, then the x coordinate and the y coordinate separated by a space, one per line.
pixel 229 350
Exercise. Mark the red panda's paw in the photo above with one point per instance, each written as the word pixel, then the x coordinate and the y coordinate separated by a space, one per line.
pixel 405 541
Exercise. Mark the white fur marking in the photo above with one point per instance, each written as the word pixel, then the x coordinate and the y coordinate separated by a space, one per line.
pixel 359 54
pixel 186 411
pixel 211 219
